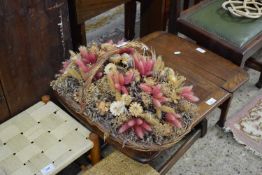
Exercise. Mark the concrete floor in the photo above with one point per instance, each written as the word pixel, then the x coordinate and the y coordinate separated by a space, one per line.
pixel 215 154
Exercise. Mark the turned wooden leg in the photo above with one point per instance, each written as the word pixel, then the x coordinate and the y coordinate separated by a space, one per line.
pixel 95 151
pixel 259 83
pixel 130 19
pixel 45 99
pixel 224 110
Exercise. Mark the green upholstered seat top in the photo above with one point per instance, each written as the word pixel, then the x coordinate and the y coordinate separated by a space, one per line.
pixel 212 18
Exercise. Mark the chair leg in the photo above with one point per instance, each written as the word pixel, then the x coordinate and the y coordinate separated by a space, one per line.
pixel 224 110
pixel 259 83
pixel 95 151
pixel 174 12
pixel 130 19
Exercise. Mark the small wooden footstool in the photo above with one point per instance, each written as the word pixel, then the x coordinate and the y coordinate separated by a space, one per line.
pixel 41 140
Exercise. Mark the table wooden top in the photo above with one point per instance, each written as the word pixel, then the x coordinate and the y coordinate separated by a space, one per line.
pixel 193 63
pixel 210 81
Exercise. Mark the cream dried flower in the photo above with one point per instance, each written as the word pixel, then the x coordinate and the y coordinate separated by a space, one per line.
pixel 127 99
pixel 135 109
pixel 115 58
pixel 77 95
pixel 117 108
pixel 110 68
pixel 136 74
pixel 126 59
pixel 102 107
pixel 150 81
pixel 146 98
pixel 108 46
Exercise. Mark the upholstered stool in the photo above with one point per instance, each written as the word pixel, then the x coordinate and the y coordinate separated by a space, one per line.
pixel 235 38
pixel 41 140
pixel 119 164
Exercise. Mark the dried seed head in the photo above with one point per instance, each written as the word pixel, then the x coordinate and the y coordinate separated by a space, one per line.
pixel 135 109
pixel 127 99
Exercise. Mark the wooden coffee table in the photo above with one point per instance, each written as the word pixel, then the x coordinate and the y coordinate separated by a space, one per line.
pixel 214 78
pixel 199 66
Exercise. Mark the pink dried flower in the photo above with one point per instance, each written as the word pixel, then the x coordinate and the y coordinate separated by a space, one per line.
pixel 87 57
pixel 121 80
pixel 127 50
pixel 139 125
pixel 82 66
pixel 98 75
pixel 144 65
pixel 188 94
pixel 174 119
pixel 156 93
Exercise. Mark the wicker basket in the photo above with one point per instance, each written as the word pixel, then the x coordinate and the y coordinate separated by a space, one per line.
pixel 142 153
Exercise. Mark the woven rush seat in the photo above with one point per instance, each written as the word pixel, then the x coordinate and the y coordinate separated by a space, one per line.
pixel 119 164
pixel 41 140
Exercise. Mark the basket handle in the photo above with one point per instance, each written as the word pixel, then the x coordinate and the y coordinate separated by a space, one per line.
pixel 91 75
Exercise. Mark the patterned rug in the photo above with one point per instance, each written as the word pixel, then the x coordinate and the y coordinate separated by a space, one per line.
pixel 246 125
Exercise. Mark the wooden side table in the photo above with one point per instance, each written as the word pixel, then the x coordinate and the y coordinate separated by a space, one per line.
pixel 41 140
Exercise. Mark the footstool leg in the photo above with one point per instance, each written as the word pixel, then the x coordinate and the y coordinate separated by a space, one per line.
pixel 259 83
pixel 224 110
pixel 95 151
pixel 45 98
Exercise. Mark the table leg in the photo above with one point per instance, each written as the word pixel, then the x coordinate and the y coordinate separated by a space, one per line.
pixel 259 83
pixel 95 151
pixel 200 131
pixel 224 110
pixel 153 16
pixel 203 126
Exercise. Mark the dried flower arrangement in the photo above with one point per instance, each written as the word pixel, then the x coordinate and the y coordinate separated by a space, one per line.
pixel 127 89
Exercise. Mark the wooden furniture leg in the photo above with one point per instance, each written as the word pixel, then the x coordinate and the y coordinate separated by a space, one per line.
pixel 95 151
pixel 259 83
pixel 153 17
pixel 196 134
pixel 130 19
pixel 45 98
pixel 174 12
pixel 257 65
pixel 203 126
pixel 77 30
pixel 224 110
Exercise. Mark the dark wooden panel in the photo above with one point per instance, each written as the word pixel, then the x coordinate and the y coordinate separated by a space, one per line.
pixel 4 112
pixel 89 8
pixel 35 38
